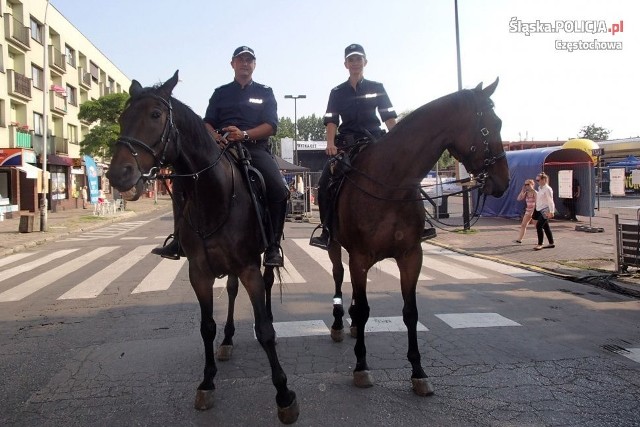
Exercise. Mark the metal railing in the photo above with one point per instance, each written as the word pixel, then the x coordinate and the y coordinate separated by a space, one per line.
pixel 16 31
pixel 57 59
pixel 18 84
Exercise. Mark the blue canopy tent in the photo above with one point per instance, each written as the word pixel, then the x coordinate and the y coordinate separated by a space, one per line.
pixel 526 164
pixel 631 162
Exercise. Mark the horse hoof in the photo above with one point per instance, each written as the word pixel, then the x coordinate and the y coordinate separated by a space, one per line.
pixel 337 335
pixel 354 331
pixel 204 400
pixel 422 387
pixel 289 415
pixel 362 379
pixel 224 353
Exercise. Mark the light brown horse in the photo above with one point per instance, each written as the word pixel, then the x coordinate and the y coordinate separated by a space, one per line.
pixel 219 230
pixel 380 214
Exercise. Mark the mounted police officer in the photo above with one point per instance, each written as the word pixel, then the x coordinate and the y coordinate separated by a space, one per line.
pixel 351 118
pixel 246 111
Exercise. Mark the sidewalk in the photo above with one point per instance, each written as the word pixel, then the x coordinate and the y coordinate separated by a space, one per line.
pixel 580 256
pixel 62 223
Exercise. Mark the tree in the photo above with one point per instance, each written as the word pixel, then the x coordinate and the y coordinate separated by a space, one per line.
pixel 594 133
pixel 311 128
pixel 104 113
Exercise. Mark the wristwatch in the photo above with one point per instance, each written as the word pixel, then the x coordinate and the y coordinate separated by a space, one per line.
pixel 245 136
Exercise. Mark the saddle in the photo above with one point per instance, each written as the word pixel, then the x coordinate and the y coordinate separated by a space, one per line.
pixel 254 181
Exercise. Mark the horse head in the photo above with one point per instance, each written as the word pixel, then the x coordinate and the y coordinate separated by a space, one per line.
pixel 148 138
pixel 479 146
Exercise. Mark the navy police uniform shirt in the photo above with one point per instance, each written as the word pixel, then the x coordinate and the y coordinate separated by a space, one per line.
pixel 357 108
pixel 246 108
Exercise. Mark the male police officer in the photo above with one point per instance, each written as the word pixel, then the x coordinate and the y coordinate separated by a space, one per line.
pixel 247 111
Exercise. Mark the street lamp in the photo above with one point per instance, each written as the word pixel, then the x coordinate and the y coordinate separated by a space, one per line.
pixel 295 124
pixel 45 128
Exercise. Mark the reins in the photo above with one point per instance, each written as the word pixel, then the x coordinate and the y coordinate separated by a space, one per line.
pixel 480 178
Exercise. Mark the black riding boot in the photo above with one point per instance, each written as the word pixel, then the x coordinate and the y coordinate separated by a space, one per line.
pixel 173 249
pixel 273 254
pixel 324 205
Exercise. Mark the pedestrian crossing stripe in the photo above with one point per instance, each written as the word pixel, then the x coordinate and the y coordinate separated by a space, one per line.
pixel 161 277
pixel 308 328
pixel 475 320
pixel 165 273
pixel 388 324
pixel 633 354
pixel 110 231
pixel 96 284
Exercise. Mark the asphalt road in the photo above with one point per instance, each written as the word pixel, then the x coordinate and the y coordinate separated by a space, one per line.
pixel 95 330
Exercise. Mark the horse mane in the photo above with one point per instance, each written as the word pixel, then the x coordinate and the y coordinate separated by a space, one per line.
pixel 188 119
pixel 461 97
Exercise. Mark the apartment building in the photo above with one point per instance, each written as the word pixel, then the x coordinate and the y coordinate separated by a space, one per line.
pixel 75 71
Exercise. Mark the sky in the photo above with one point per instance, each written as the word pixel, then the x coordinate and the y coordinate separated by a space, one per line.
pixel 546 92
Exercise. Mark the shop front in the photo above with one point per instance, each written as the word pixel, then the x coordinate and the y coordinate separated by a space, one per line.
pixel 20 181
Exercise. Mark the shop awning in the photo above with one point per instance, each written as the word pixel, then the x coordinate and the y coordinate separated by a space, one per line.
pixel 31 171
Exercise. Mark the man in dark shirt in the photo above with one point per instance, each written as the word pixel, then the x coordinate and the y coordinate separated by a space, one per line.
pixel 247 111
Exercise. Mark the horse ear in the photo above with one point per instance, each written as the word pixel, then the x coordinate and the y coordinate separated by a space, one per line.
pixel 479 87
pixel 488 91
pixel 135 88
pixel 167 87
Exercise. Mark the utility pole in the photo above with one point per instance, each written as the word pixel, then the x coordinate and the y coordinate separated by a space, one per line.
pixel 45 127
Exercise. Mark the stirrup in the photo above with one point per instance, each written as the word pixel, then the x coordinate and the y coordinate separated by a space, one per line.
pixel 171 251
pixel 274 260
pixel 322 241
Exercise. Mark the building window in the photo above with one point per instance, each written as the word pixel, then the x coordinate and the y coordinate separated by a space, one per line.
pixel 72 95
pixel 1 59
pixel 37 124
pixel 70 55
pixel 72 134
pixel 95 72
pixel 37 76
pixel 37 31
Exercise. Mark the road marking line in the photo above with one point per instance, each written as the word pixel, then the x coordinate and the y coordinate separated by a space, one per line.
pixel 634 354
pixel 322 257
pixel 15 257
pixel 475 320
pixel 161 277
pixel 303 328
pixel 388 324
pixel 96 284
pixel 291 275
pixel 485 263
pixel 390 267
pixel 39 282
pixel 34 264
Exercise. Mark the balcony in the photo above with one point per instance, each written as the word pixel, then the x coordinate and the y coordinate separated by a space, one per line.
pixel 105 89
pixel 18 85
pixel 16 32
pixel 19 137
pixel 84 78
pixel 58 102
pixel 61 144
pixel 57 61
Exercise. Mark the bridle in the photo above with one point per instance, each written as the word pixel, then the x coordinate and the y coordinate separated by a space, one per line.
pixel 169 133
pixel 483 141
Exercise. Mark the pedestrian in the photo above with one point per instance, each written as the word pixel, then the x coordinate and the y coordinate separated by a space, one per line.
pixel 529 195
pixel 545 209
pixel 351 117
pixel 246 111
pixel 83 194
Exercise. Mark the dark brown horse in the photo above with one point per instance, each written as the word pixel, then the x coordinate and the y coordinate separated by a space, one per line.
pixel 380 213
pixel 219 231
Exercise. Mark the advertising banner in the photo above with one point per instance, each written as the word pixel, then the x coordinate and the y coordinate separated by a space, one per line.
pixel 92 178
